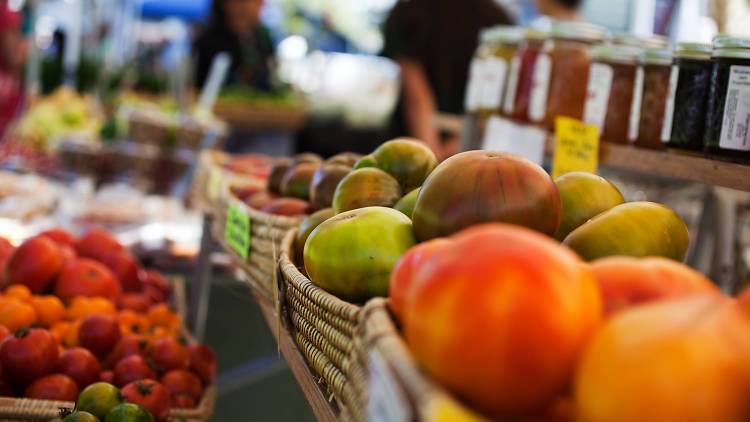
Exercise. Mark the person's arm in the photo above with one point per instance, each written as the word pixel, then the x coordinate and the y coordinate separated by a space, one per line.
pixel 419 105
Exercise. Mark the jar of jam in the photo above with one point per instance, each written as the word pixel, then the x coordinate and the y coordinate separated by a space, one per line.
pixel 561 72
pixel 649 98
pixel 520 79
pixel 728 122
pixel 609 96
pixel 473 96
pixel 503 43
pixel 687 97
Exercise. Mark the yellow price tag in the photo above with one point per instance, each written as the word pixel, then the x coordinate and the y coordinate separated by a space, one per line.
pixel 576 147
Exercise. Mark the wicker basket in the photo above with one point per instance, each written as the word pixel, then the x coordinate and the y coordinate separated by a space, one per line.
pixel 323 327
pixel 386 379
pixel 267 232
pixel 165 131
pixel 19 409
pixel 260 117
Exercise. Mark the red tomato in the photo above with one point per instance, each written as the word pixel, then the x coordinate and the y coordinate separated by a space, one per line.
pixel 138 302
pixel 131 344
pixel 170 354
pixel 99 334
pixel 85 277
pixel 149 394
pixel 403 273
pixel 6 250
pixel 202 362
pixel 35 264
pixel 126 268
pixel 132 368
pixel 53 387
pixel 4 332
pixel 67 253
pixel 156 280
pixel 183 401
pixel 97 244
pixel 81 365
pixel 60 236
pixel 107 376
pixel 181 381
pixel 28 355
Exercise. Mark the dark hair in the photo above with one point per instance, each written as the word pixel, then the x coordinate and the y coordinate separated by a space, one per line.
pixel 570 4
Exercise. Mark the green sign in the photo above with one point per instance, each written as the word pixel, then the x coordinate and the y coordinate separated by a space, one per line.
pixel 237 230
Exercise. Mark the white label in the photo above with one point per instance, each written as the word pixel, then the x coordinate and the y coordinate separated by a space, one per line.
pixel 734 128
pixel 473 98
pixel 495 71
pixel 635 106
pixel 597 95
pixel 387 402
pixel 510 93
pixel 540 86
pixel 666 127
pixel 506 136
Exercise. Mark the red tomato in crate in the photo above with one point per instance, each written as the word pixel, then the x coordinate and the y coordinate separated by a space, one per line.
pixel 107 376
pixel 170 354
pixel 99 334
pixel 181 381
pixel 80 365
pixel 131 344
pixel 156 281
pixel 56 387
pixel 4 332
pixel 126 268
pixel 35 264
pixel 138 302
pixel 149 394
pixel 86 277
pixel 132 368
pixel 28 354
pixel 97 244
pixel 183 401
pixel 202 362
pixel 60 236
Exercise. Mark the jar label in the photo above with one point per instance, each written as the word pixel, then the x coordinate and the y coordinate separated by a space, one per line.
pixel 510 93
pixel 540 86
pixel 473 97
pixel 597 95
pixel 635 106
pixel 666 128
pixel 734 128
pixel 495 72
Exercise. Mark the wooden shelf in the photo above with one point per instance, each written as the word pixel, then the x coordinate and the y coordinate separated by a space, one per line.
pixel 323 409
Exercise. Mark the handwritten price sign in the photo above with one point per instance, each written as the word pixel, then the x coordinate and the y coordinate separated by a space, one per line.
pixel 576 147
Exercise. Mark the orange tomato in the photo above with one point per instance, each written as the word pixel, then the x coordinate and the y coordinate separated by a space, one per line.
pixel 15 314
pixel 49 309
pixel 81 307
pixel 161 316
pixel 59 330
pixel 18 291
pixel 70 339
pixel 132 322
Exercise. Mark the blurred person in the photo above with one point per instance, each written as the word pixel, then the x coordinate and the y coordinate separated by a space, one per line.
pixel 433 42
pixel 564 10
pixel 13 50
pixel 235 28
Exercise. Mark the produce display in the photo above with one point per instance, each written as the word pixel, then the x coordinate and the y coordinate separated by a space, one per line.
pixel 82 321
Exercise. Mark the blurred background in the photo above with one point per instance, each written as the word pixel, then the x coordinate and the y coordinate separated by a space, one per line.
pixel 275 77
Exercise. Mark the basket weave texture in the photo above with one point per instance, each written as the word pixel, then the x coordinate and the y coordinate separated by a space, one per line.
pixel 323 327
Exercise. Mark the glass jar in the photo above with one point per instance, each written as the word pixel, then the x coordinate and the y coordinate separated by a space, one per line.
pixel 609 97
pixel 503 43
pixel 728 122
pixel 473 96
pixel 650 98
pixel 520 80
pixel 561 72
pixel 687 98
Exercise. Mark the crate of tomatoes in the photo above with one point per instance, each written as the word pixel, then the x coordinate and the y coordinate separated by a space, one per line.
pixel 88 334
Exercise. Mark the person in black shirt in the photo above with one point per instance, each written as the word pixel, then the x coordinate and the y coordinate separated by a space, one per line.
pixel 433 42
pixel 235 28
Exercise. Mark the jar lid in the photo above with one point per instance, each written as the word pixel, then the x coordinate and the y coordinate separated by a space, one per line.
pixel 534 34
pixel 727 41
pixel 662 56
pixel 485 35
pixel 616 53
pixel 505 34
pixel 575 30
pixel 692 50
pixel 649 41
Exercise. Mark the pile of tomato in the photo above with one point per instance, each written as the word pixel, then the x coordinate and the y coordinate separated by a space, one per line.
pixel 79 312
